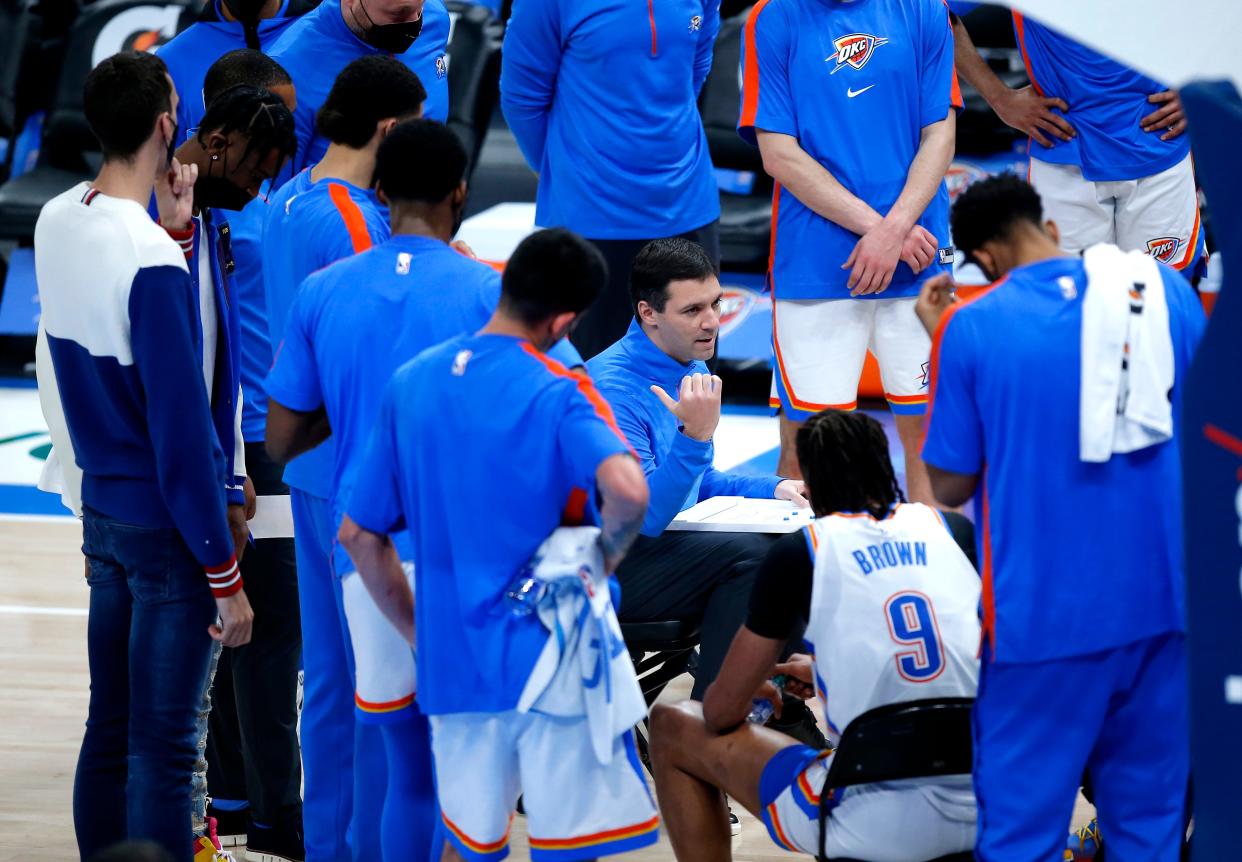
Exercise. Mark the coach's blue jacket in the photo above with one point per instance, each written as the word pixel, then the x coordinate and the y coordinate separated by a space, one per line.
pixel 679 468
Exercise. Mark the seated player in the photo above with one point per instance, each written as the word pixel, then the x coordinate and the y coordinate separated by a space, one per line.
pixel 675 295
pixel 891 610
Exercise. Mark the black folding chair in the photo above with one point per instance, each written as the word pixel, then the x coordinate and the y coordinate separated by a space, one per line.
pixel 661 652
pixel 915 739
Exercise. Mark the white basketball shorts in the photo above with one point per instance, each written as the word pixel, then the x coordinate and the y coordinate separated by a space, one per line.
pixel 384 682
pixel 1158 215
pixel 575 807
pixel 821 344
pixel 894 822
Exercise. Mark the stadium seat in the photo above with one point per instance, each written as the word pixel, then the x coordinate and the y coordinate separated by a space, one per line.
pixel 661 652
pixel 69 153
pixel 15 29
pixel 474 74
pixel 745 219
pixel 915 739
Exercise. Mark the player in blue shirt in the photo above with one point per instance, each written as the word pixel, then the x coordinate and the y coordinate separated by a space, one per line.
pixel 1109 156
pixel 858 142
pixel 621 162
pixel 323 214
pixel 323 42
pixel 1060 539
pixel 483 446
pixel 409 293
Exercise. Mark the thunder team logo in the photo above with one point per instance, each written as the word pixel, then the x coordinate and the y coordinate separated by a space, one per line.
pixel 1163 248
pixel 855 50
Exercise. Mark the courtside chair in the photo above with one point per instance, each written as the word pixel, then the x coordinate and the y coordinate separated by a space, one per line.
pixel 915 739
pixel 661 652
pixel 474 74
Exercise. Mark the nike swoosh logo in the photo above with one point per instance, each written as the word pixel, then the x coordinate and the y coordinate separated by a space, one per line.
pixel 851 92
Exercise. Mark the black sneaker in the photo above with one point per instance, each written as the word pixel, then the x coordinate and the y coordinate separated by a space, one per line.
pixel 280 843
pixel 798 721
pixel 230 825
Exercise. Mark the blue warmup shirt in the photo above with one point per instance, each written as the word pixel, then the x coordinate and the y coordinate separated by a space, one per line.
pixel 310 225
pixel 191 53
pixel 122 326
pixel 256 342
pixel 1076 557
pixel 408 294
pixel 483 447
pixel 320 44
pixel 602 99
pixel 855 83
pixel 679 468
pixel 1107 102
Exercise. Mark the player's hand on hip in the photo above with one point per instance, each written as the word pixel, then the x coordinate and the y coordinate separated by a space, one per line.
pixel 1169 118
pixel 698 405
pixel 236 620
pixel 919 249
pixel 1027 111
pixel 935 297
pixel 174 195
pixel 874 259
pixel 793 490
pixel 238 529
pixel 799 672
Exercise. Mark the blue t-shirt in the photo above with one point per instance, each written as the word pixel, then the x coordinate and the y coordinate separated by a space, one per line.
pixel 320 44
pixel 617 159
pixel 408 294
pixel 310 225
pixel 256 343
pixel 481 445
pixel 1107 102
pixel 191 53
pixel 855 83
pixel 1076 557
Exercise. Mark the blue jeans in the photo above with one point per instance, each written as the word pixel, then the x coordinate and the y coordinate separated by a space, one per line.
pixel 148 651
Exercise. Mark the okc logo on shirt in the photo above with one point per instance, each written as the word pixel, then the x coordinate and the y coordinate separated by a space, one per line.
pixel 1163 248
pixel 441 66
pixel 855 50
pixel 696 23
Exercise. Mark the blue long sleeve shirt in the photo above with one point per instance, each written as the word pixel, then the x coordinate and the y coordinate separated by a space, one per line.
pixel 320 44
pixel 679 468
pixel 602 98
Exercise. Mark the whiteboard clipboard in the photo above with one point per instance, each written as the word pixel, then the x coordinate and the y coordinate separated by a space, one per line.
pixel 743 515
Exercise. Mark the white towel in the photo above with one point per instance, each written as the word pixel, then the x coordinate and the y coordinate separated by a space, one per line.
pixel 584 668
pixel 1127 355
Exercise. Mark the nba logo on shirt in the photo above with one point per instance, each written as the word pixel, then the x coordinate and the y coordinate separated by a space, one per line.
pixel 855 50
pixel 441 66
pixel 460 361
pixel 403 263
pixel 1163 248
pixel 696 23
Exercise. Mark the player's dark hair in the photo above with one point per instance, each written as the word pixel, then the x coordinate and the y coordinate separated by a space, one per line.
pixel 663 261
pixel 368 90
pixel 243 66
pixel 846 465
pixel 552 271
pixel 123 98
pixel 420 161
pixel 989 209
pixel 258 115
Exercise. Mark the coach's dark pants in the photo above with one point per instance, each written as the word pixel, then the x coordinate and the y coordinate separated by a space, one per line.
pixel 610 315
pixel 252 744
pixel 688 575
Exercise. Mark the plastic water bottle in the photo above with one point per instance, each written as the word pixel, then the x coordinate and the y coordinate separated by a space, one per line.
pixel 762 709
pixel 523 595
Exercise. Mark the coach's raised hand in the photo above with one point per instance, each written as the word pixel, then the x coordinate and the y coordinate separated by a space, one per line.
pixel 698 407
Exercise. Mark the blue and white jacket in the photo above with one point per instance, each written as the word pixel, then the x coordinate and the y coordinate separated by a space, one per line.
pixel 121 325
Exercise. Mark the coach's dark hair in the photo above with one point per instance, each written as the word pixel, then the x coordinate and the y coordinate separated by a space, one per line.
pixel 368 90
pixel 257 114
pixel 990 208
pixel 420 161
pixel 846 465
pixel 123 98
pixel 551 272
pixel 243 66
pixel 663 261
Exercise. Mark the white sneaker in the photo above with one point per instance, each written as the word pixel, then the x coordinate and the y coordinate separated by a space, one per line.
pixel 735 825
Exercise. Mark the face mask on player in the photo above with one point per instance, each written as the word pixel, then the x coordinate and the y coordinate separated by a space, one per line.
pixel 219 192
pixel 393 38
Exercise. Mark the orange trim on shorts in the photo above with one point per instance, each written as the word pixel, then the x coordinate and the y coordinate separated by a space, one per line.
pixel 1190 246
pixel 477 846
pixel 781 837
pixel 388 706
pixel 798 403
pixel 355 222
pixel 905 399
pixel 595 838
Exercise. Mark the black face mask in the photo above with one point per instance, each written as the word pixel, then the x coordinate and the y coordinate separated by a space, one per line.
pixel 393 38
pixel 219 192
